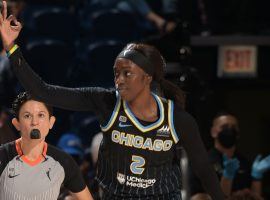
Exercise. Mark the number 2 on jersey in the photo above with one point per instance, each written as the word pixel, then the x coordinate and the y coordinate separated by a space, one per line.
pixel 137 164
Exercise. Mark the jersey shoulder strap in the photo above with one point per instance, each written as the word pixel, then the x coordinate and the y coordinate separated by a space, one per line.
pixel 171 121
pixel 114 114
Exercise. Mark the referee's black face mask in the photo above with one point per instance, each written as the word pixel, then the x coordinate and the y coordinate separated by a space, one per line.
pixel 228 136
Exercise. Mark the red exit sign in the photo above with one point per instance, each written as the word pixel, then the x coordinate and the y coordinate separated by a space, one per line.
pixel 237 61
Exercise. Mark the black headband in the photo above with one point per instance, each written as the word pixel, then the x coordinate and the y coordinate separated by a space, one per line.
pixel 139 59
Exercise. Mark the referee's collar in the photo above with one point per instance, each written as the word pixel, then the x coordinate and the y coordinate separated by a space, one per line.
pixel 25 159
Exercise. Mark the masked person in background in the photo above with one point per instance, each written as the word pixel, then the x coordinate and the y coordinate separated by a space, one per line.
pixel 233 169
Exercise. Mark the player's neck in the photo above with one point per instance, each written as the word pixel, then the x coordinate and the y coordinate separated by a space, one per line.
pixel 145 107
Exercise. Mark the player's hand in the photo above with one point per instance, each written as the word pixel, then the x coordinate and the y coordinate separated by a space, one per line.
pixel 231 165
pixel 260 166
pixel 9 28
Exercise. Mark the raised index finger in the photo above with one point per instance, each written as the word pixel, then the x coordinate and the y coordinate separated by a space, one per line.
pixel 4 10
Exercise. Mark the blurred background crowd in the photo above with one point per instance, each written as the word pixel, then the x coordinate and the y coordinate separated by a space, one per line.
pixel 74 43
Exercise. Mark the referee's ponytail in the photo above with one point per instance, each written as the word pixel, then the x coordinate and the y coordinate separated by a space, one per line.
pixel 152 62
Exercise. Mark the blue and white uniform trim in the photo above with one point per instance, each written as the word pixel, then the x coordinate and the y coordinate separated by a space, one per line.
pixel 114 114
pixel 171 121
pixel 151 126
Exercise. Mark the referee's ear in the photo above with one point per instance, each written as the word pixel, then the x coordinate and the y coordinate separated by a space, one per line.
pixel 52 121
pixel 16 123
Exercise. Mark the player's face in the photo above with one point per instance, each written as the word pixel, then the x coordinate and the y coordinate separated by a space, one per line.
pixel 224 120
pixel 33 115
pixel 130 80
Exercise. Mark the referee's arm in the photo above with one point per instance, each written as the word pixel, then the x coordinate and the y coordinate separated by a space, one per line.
pixel 83 195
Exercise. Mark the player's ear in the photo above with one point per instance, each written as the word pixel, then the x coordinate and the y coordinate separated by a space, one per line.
pixel 148 79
